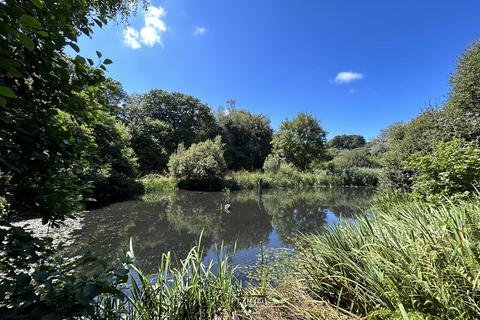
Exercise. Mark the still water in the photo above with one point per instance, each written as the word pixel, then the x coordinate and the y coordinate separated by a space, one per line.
pixel 174 221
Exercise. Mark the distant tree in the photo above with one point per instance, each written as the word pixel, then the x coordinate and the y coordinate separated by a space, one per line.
pixel 300 141
pixel 247 138
pixel 347 141
pixel 161 120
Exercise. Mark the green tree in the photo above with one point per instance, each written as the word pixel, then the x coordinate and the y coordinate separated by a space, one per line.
pixel 39 89
pixel 160 121
pixel 300 141
pixel 45 141
pixel 404 139
pixel 345 141
pixel 200 167
pixel 247 138
pixel 462 110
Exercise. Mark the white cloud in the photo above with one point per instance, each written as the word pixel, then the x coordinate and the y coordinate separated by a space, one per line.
pixel 151 33
pixel 130 38
pixel 199 31
pixel 347 76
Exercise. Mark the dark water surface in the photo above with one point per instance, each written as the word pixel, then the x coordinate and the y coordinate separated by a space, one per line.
pixel 174 221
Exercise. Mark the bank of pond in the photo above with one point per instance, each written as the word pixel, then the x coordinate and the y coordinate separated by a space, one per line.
pixel 334 253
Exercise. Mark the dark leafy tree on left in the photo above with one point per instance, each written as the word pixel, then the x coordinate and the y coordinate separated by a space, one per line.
pixel 46 122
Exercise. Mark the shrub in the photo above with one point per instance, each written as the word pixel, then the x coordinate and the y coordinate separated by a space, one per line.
pixel 200 167
pixel 452 169
pixel 274 163
pixel 357 158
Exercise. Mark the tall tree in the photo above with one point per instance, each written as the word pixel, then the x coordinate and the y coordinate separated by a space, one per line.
pixel 161 120
pixel 247 138
pixel 300 140
pixel 345 141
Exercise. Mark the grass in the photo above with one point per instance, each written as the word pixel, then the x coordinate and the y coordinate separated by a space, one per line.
pixel 406 260
pixel 192 290
pixel 297 179
pixel 157 182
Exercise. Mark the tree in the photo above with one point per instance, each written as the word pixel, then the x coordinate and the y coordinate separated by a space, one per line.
pixel 247 138
pixel 419 135
pixel 44 144
pixel 160 121
pixel 200 167
pixel 300 140
pixel 39 87
pixel 462 110
pixel 347 141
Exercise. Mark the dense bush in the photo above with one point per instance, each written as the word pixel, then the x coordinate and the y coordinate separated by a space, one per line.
pixel 247 139
pixel 452 169
pixel 357 158
pixel 200 167
pixel 274 163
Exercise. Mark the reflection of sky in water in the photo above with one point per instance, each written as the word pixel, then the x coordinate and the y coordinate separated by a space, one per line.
pixel 173 222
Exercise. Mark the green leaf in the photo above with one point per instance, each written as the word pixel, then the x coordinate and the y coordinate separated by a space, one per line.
pixel 2 101
pixel 90 61
pixel 7 92
pixel 99 54
pixel 74 47
pixel 107 61
pixel 37 3
pixel 26 41
pixel 31 22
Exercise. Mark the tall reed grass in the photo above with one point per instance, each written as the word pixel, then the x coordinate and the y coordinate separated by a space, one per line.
pixel 191 290
pixel 406 259
pixel 298 179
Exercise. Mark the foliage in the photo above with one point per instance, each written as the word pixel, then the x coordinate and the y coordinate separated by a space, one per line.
pixel 404 139
pixel 462 110
pixel 113 166
pixel 300 140
pixel 405 257
pixel 298 179
pixel 191 291
pixel 38 95
pixel 160 121
pixel 247 138
pixel 201 166
pixel 346 141
pixel 274 163
pixel 156 182
pixel 35 283
pixel 357 158
pixel 452 169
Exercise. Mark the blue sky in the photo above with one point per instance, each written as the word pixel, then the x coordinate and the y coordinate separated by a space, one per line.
pixel 356 65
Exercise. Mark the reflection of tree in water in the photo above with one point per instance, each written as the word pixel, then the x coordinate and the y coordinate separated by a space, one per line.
pixel 174 221
pixel 246 224
pixel 305 212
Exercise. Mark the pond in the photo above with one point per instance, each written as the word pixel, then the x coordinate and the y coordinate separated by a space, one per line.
pixel 174 221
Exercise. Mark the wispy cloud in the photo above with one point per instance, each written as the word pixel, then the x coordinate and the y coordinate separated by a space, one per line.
pixel 352 91
pixel 347 76
pixel 199 30
pixel 151 33
pixel 130 38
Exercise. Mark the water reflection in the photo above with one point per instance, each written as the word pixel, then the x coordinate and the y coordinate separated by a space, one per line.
pixel 174 221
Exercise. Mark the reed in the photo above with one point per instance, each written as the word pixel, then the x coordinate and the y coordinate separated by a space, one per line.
pixel 190 290
pixel 405 259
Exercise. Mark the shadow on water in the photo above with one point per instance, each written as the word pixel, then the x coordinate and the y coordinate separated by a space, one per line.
pixel 174 221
